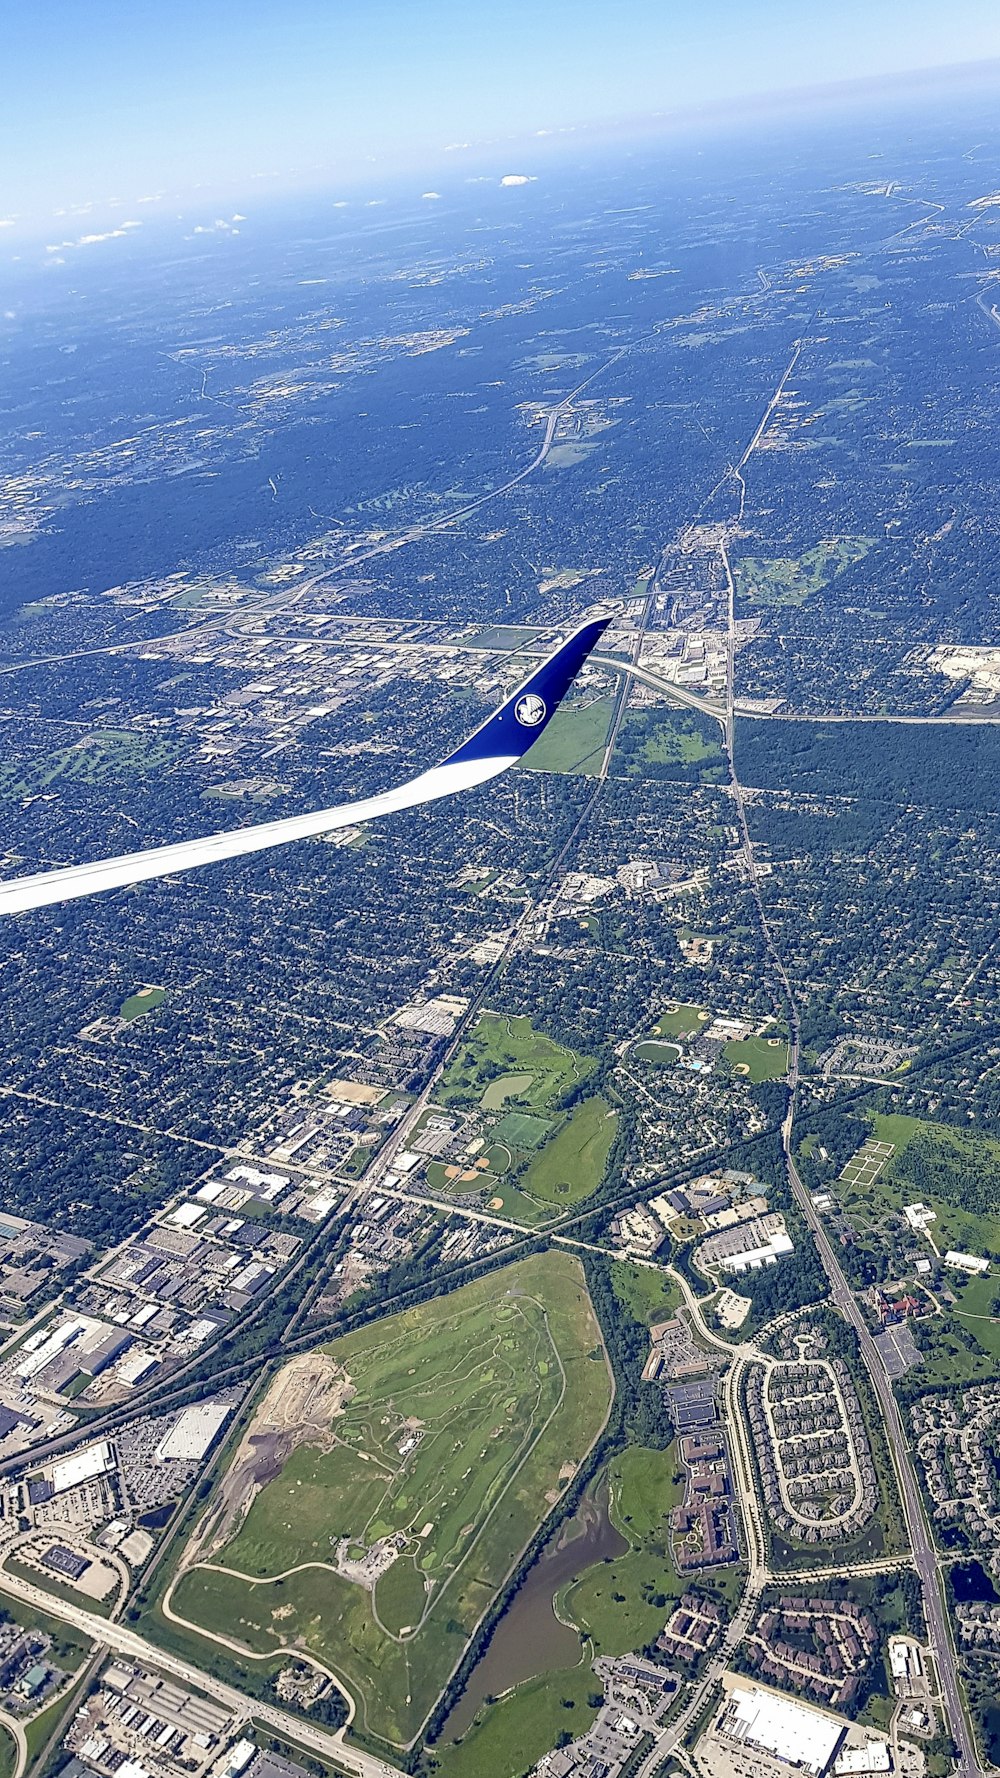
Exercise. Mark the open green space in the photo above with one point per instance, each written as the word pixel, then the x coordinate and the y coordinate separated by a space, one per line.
pixel 758 1058
pixel 69 1648
pixel 664 1055
pixel 951 1170
pixel 99 757
pixel 506 1046
pixel 791 580
pixel 521 1129
pixel 8 1753
pixel 141 1002
pixel 646 1291
pixel 682 1020
pixel 571 1164
pixel 617 1605
pixel 469 1415
pixel 622 1604
pixel 575 739
pixel 668 744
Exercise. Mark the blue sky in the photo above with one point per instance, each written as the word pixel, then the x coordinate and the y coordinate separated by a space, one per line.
pixel 105 99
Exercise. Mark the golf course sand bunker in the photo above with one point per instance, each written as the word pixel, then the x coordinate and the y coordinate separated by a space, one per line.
pixel 440 1439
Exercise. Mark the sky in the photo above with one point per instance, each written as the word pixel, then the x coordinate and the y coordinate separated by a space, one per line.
pixel 123 99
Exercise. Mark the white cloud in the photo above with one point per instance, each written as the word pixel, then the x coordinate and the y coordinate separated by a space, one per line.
pixel 341 204
pixel 237 218
pixel 430 194
pixel 456 147
pixel 518 179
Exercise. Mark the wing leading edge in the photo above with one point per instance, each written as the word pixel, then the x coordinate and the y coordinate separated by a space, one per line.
pixel 499 743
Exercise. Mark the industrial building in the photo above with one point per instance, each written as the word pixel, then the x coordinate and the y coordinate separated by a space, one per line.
pixel 797 1736
pixel 194 1433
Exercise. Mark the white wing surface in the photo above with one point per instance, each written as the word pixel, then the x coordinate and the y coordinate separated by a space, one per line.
pixel 501 741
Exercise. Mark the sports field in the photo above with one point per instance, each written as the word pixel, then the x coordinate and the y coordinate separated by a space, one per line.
pixel 468 1418
pixel 681 1020
pixel 951 1170
pixel 144 1000
pixel 758 1058
pixel 663 1054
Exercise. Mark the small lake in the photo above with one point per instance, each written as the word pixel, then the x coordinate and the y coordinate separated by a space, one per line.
pixel 970 1584
pixel 529 1638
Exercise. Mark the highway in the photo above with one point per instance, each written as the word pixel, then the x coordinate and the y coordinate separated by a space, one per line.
pixel 921 1541
pixel 123 1641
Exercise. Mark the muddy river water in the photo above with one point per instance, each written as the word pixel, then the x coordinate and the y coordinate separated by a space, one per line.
pixel 529 1638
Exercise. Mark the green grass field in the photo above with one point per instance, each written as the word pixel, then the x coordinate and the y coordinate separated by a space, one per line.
pixel 141 1002
pixel 571 1164
pixel 758 1059
pixel 648 1293
pixel 791 580
pixel 682 1021
pixel 69 1649
pixel 8 1753
pixel 951 1170
pixel 100 757
pixel 664 1055
pixel 612 1603
pixel 620 1604
pixel 501 1046
pixel 575 739
pixel 666 738
pixel 506 1382
pixel 521 1129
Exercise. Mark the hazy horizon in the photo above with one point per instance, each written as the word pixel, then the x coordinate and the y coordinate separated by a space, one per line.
pixel 118 107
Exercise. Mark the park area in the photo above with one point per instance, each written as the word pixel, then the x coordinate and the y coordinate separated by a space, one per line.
pixel 758 1058
pixel 542 1154
pixel 379 1544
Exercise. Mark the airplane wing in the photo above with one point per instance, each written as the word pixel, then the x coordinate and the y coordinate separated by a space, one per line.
pixel 500 742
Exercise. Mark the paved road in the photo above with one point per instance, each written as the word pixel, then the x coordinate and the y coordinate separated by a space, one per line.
pixel 16 1731
pixel 921 1542
pixel 129 1643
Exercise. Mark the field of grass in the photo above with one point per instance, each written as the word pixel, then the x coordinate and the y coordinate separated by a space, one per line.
pixel 663 1054
pixel 682 1021
pixel 648 1293
pixel 501 1046
pixel 507 1385
pixel 758 1058
pixel 99 758
pixel 791 580
pixel 666 738
pixel 571 1164
pixel 512 1735
pixel 521 1129
pixel 575 739
pixel 611 1602
pixel 8 1753
pixel 69 1649
pixel 142 1001
pixel 622 1604
pixel 950 1170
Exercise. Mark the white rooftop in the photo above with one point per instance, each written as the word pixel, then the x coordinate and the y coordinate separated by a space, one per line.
pixel 793 1733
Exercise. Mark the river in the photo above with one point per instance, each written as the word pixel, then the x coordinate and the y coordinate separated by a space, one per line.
pixel 529 1638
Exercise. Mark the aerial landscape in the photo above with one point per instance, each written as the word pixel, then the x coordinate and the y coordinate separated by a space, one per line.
pixel 508 1289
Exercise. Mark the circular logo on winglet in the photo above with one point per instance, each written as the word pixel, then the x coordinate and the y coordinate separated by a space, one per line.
pixel 530 710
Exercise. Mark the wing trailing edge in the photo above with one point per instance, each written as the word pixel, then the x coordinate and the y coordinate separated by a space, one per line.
pixel 499 743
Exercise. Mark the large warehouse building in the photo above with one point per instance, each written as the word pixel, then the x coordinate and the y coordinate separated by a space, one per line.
pixel 802 1738
pixel 193 1432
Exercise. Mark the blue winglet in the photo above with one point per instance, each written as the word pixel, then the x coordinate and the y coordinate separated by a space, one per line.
pixel 516 726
